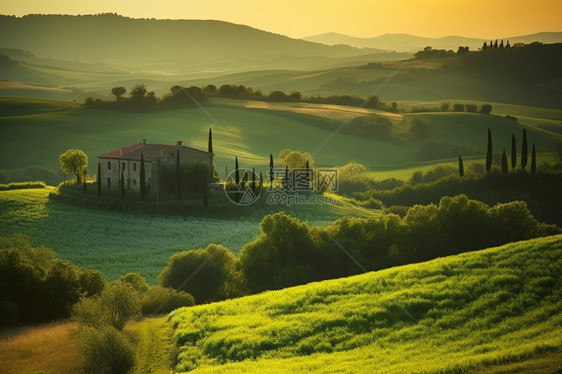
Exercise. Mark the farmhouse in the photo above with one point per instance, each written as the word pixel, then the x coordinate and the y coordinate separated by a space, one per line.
pixel 128 160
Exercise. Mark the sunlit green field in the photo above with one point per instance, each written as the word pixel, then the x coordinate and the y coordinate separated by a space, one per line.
pixel 36 132
pixel 455 314
pixel 119 242
pixel 113 242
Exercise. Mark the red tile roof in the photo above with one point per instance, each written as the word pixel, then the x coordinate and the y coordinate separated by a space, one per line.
pixel 149 150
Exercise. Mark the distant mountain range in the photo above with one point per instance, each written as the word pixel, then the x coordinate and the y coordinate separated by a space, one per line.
pixel 412 43
pixel 199 44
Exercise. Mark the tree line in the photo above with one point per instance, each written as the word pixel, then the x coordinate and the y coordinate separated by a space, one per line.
pixel 142 100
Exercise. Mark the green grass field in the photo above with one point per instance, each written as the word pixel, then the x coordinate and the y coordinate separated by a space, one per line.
pixel 474 312
pixel 36 132
pixel 119 242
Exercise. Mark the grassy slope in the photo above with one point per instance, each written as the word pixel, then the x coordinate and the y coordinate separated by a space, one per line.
pixel 36 132
pixel 489 308
pixel 43 349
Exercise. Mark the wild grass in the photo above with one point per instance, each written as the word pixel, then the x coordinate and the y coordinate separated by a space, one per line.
pixel 153 339
pixel 42 349
pixel 493 307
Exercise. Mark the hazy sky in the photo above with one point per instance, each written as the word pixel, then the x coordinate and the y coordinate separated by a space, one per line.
pixel 299 18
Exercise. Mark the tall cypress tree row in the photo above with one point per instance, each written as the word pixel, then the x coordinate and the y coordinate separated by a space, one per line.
pixel 236 178
pixel 99 179
pixel 271 171
pixel 524 150
pixel 178 175
pixel 533 161
pixel 505 168
pixel 142 178
pixel 489 153
pixel 461 167
pixel 513 152
pixel 210 145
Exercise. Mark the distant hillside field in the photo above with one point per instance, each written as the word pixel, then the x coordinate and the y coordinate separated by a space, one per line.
pixel 36 132
pixel 475 312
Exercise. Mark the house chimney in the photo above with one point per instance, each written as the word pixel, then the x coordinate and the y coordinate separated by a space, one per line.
pixel 178 143
pixel 144 142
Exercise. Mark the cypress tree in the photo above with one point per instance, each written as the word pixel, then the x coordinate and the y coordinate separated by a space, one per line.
pixel 524 150
pixel 178 175
pixel 505 168
pixel 489 153
pixel 461 167
pixel 286 185
pixel 253 183
pixel 533 161
pixel 142 178
pixel 261 180
pixel 308 174
pixel 513 152
pixel 271 171
pixel 210 146
pixel 99 179
pixel 236 178
pixel 85 172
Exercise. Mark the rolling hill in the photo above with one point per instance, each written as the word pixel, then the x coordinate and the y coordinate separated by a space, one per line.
pixel 252 132
pixel 194 44
pixel 468 313
pixel 412 43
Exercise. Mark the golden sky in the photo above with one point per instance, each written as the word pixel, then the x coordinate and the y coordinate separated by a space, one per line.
pixel 299 18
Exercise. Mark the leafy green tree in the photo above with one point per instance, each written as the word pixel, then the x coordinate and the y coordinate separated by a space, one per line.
pixel 524 150
pixel 513 152
pixel 458 107
pixel 138 92
pixel 92 282
pixel 486 109
pixel 208 274
pixel 284 242
pixel 118 92
pixel 74 161
pixel 295 159
pixel 136 280
pixel 489 153
pixel 163 300
pixel 117 303
pixel 105 351
pixel 444 107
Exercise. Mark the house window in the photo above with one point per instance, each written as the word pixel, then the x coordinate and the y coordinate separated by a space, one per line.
pixel 109 182
pixel 108 165
pixel 134 182
pixel 123 164
pixel 134 166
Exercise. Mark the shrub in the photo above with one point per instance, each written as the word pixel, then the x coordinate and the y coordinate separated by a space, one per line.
pixel 162 300
pixel 208 274
pixel 458 107
pixel 117 303
pixel 106 351
pixel 136 281
pixel 472 108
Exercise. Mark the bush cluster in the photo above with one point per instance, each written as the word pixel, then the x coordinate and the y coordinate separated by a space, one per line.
pixel 32 276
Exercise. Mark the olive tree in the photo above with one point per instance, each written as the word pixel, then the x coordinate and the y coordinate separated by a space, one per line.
pixel 74 161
